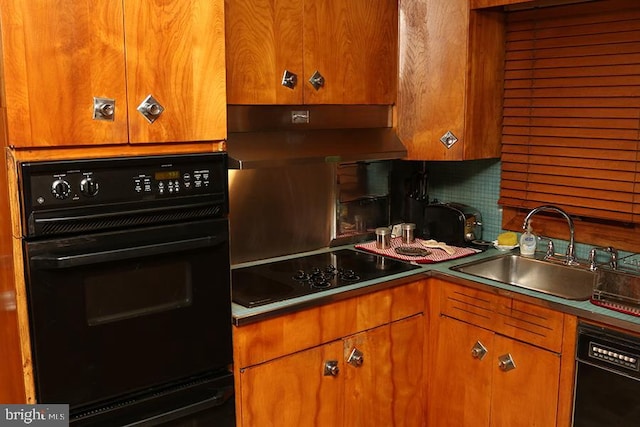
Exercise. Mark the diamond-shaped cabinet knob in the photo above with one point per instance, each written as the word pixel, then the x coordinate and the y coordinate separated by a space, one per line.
pixel 316 80
pixel 289 79
pixel 448 139
pixel 150 108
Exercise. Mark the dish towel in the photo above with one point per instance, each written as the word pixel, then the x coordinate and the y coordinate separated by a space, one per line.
pixel 436 255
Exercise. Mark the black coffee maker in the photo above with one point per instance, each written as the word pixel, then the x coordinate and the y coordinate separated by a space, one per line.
pixel 410 194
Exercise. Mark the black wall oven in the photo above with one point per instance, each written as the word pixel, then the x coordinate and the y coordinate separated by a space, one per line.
pixel 128 284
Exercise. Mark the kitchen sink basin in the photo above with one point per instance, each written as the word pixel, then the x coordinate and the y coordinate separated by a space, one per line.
pixel 559 280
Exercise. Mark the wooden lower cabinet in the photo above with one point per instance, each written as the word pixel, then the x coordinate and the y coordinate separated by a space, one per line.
pixel 526 395
pixel 495 361
pixel 460 384
pixel 375 342
pixel 292 390
pixel 382 386
pixel 476 390
pixel 386 389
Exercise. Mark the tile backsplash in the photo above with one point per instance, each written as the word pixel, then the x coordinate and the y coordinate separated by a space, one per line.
pixel 477 183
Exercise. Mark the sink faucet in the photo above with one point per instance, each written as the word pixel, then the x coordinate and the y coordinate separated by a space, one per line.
pixel 571 256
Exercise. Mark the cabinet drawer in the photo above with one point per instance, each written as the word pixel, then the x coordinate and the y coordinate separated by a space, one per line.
pixel 262 341
pixel 470 305
pixel 530 323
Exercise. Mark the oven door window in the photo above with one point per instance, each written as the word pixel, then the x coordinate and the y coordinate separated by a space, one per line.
pixel 141 290
pixel 128 309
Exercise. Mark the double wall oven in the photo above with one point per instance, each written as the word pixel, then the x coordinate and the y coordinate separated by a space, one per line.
pixel 128 287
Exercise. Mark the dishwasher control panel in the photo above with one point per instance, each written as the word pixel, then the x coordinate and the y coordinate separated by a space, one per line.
pixel 612 355
pixel 609 349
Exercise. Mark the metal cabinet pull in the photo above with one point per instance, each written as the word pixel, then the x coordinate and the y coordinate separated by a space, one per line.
pixel 448 139
pixel 356 358
pixel 331 368
pixel 506 363
pixel 316 80
pixel 289 79
pixel 104 109
pixel 478 351
pixel 150 108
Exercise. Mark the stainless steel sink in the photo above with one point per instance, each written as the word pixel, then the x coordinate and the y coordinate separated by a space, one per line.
pixel 543 276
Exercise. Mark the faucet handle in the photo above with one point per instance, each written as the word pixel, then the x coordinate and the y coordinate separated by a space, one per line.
pixel 551 251
pixel 593 255
pixel 613 252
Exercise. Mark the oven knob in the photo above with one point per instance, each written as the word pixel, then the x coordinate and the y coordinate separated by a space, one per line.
pixel 60 189
pixel 89 187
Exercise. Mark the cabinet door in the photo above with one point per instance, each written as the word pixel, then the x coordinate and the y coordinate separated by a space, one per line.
pixel 384 386
pixel 450 80
pixel 526 395
pixel 175 52
pixel 432 79
pixel 353 45
pixel 264 38
pixel 407 379
pixel 57 56
pixel 460 386
pixel 293 391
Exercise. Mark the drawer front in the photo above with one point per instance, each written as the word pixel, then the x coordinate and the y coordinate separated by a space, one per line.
pixel 469 305
pixel 530 323
pixel 272 338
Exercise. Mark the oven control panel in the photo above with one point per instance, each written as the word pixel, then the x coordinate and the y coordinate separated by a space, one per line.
pixel 81 196
pixel 174 182
pixel 49 185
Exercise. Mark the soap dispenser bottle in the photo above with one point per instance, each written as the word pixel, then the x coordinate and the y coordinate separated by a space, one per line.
pixel 528 242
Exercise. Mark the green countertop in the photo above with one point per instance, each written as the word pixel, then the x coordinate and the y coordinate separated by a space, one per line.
pixel 581 309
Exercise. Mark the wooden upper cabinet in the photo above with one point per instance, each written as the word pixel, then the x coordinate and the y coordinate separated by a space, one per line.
pixel 352 45
pixel 59 56
pixel 263 40
pixel 450 80
pixel 175 52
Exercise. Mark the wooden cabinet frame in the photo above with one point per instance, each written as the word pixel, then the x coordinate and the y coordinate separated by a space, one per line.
pixel 387 326
pixel 560 339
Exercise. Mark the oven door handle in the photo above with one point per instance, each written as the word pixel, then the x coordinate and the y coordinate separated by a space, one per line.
pixel 46 262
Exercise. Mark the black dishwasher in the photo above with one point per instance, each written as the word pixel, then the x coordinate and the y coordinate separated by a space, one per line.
pixel 607 378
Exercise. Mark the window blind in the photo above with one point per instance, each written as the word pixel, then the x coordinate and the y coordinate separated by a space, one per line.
pixel 571 129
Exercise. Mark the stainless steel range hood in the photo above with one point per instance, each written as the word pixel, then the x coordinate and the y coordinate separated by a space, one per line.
pixel 269 136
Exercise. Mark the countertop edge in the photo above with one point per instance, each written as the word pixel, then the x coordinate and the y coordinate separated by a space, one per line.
pixel 323 299
pixel 580 313
pixel 583 310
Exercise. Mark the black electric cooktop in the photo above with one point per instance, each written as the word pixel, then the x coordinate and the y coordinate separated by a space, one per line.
pixel 282 280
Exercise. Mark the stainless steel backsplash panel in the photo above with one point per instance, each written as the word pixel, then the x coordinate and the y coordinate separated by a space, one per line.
pixel 281 210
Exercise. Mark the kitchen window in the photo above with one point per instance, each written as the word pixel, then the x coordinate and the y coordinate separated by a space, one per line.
pixel 571 130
